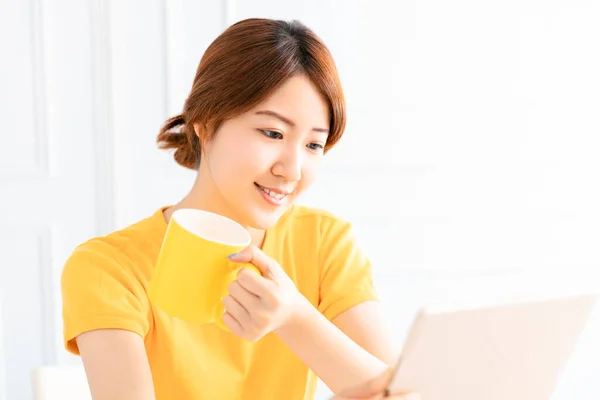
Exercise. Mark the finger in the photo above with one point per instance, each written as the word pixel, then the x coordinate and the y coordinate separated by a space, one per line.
pixel 247 299
pixel 236 310
pixel 253 283
pixel 233 325
pixel 254 255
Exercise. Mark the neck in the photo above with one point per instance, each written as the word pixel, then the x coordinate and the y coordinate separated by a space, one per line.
pixel 204 197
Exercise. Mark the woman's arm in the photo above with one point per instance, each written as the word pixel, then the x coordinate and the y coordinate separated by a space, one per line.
pixel 257 305
pixel 116 365
pixel 336 359
pixel 364 323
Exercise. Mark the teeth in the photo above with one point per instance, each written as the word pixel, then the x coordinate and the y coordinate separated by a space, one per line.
pixel 274 195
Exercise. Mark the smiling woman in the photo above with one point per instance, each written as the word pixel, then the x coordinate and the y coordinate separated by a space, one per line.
pixel 241 68
pixel 259 76
pixel 265 106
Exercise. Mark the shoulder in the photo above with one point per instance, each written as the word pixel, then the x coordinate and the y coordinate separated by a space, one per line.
pixel 125 252
pixel 319 229
pixel 104 281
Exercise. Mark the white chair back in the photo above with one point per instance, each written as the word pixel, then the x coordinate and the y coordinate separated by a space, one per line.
pixel 60 383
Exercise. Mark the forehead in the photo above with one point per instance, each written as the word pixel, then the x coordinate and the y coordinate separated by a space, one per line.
pixel 300 100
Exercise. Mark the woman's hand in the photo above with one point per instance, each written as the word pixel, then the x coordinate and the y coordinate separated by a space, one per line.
pixel 257 305
pixel 411 396
pixel 375 390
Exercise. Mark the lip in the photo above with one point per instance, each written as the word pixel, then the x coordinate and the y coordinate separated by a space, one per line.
pixel 276 190
pixel 271 200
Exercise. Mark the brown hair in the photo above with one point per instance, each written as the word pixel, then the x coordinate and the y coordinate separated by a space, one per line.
pixel 240 69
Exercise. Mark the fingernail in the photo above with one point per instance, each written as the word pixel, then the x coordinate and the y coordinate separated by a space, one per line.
pixel 232 255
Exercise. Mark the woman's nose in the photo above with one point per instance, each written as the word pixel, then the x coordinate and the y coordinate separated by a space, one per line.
pixel 289 165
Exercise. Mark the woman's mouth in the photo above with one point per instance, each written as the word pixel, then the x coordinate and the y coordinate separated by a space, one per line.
pixel 272 196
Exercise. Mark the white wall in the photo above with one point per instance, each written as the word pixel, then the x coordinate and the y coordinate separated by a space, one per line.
pixel 49 108
pixel 469 163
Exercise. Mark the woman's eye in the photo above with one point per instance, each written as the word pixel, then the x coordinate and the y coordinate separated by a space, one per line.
pixel 272 134
pixel 315 146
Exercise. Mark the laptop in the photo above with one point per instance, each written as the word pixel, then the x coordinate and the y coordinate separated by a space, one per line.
pixel 513 351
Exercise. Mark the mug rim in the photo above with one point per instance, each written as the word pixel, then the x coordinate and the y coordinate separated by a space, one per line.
pixel 182 216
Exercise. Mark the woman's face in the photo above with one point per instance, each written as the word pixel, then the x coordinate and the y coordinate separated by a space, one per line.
pixel 259 162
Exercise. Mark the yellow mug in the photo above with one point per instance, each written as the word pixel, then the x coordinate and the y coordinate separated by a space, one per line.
pixel 192 272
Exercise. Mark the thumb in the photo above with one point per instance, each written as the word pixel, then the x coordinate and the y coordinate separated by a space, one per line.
pixel 253 255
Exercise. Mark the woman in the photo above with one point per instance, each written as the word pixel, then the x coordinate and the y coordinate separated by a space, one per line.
pixel 265 106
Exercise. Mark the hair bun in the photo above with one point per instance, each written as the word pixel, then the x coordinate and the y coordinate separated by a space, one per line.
pixel 187 152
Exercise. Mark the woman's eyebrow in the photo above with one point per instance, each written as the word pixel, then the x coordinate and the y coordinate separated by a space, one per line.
pixel 286 120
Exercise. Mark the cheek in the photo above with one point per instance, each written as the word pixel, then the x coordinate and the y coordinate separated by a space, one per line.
pixel 310 172
pixel 237 162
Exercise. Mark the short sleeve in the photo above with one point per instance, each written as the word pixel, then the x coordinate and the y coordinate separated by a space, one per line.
pixel 346 277
pixel 98 292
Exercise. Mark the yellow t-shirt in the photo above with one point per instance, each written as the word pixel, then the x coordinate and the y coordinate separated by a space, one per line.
pixel 105 282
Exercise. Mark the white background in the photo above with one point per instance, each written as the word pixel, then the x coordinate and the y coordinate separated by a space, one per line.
pixel 469 164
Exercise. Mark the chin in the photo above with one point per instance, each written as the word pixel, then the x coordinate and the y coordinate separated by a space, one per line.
pixel 265 220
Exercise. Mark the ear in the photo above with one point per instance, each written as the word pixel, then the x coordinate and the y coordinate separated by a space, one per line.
pixel 201 132
pixel 198 129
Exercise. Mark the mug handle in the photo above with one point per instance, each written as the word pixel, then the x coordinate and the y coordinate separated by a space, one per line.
pixel 219 309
